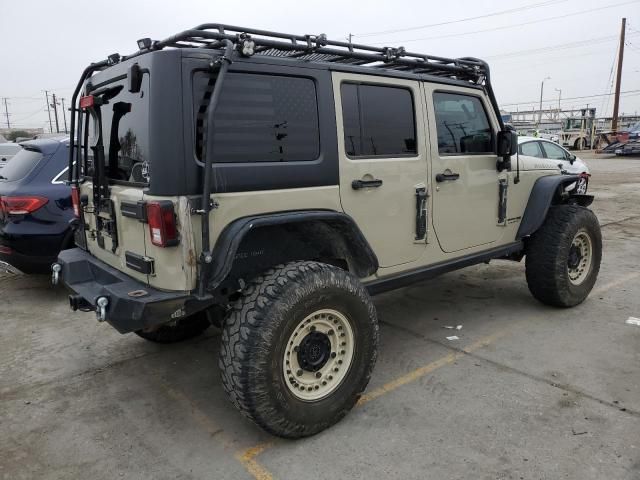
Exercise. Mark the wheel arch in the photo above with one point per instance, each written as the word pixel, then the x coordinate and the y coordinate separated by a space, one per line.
pixel 252 244
pixel 546 191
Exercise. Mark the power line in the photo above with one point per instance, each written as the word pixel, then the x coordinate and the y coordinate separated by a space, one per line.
pixel 552 48
pixel 569 98
pixel 510 26
pixel 467 19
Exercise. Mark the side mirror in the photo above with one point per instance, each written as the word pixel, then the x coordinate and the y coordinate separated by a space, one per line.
pixel 507 143
pixel 572 158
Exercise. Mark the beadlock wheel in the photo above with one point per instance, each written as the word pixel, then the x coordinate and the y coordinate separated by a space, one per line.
pixel 580 258
pixel 318 355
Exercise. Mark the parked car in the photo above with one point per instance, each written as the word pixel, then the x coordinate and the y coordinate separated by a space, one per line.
pixel 35 206
pixel 567 162
pixel 7 151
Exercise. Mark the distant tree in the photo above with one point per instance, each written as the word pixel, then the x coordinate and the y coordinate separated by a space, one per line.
pixel 11 136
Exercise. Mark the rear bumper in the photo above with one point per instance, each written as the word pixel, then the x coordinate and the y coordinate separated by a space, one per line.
pixel 132 305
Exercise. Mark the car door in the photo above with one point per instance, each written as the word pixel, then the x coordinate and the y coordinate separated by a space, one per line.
pixel 531 149
pixel 464 174
pixel 383 162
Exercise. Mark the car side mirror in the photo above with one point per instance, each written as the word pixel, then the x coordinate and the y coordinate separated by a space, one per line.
pixel 572 158
pixel 507 143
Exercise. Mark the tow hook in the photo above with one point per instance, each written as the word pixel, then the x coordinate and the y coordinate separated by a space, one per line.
pixel 56 268
pixel 101 308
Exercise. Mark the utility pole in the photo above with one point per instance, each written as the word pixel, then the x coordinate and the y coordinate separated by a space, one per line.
pixel 64 117
pixel 559 90
pixel 616 98
pixel 6 112
pixel 350 38
pixel 46 94
pixel 55 111
pixel 541 90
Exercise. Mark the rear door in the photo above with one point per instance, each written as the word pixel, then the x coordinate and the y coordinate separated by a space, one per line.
pixel 383 161
pixel 116 234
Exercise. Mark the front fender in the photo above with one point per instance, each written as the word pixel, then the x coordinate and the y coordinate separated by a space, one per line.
pixel 544 191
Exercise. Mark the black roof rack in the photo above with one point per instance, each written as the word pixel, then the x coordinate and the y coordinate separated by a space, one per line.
pixel 317 48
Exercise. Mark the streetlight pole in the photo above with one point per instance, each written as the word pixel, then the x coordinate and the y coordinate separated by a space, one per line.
pixel 559 90
pixel 541 90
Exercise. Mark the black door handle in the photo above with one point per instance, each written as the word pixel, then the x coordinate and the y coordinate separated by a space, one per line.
pixel 358 184
pixel 443 177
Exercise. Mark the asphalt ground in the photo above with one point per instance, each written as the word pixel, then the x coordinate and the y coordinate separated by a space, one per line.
pixel 527 392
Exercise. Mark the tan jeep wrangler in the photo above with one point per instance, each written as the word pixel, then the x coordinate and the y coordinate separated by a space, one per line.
pixel 270 183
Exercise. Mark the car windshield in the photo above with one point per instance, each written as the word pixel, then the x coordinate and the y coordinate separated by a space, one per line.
pixel 20 165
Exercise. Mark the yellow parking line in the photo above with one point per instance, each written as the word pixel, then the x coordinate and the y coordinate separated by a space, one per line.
pixel 429 367
pixel 247 459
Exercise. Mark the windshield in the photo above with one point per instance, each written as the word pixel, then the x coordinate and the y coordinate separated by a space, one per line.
pixel 20 165
pixel 125 133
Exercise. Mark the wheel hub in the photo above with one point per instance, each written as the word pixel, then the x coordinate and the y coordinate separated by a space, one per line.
pixel 314 351
pixel 580 258
pixel 318 355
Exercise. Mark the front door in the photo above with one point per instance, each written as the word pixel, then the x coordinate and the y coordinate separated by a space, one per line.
pixel 383 161
pixel 464 175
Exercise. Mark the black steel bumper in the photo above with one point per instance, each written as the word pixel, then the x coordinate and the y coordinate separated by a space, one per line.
pixel 132 305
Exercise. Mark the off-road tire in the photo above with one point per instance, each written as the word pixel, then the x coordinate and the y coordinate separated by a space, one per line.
pixel 255 338
pixel 547 256
pixel 182 329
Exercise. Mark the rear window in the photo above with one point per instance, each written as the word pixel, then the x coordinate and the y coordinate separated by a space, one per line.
pixel 378 121
pixel 125 132
pixel 260 118
pixel 20 165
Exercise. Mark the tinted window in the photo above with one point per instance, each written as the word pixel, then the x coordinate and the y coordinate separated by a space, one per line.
pixel 20 165
pixel 125 133
pixel 263 118
pixel 554 152
pixel 531 149
pixel 378 121
pixel 462 124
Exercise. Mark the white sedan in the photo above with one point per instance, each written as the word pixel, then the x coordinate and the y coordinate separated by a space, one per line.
pixel 567 161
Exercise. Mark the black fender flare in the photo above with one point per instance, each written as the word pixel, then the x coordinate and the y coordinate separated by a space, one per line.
pixel 232 235
pixel 542 195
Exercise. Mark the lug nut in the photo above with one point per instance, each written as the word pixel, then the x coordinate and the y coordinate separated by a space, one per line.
pixel 318 374
pixel 330 377
pixel 324 382
pixel 295 349
pixel 292 380
pixel 333 354
pixel 330 332
pixel 299 373
pixel 343 344
pixel 342 352
pixel 336 369
pixel 312 328
pixel 342 334
pixel 340 362
pixel 339 327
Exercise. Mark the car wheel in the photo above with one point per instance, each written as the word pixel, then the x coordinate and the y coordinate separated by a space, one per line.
pixel 299 347
pixel 179 330
pixel 580 144
pixel 563 256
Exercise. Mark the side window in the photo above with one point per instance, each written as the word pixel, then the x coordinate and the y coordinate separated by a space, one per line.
pixel 554 152
pixel 462 124
pixel 531 149
pixel 378 120
pixel 265 118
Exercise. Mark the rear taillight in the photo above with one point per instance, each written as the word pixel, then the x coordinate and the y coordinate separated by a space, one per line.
pixel 21 205
pixel 87 101
pixel 75 200
pixel 162 224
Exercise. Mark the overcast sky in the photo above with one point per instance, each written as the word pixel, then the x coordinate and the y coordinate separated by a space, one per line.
pixel 44 45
